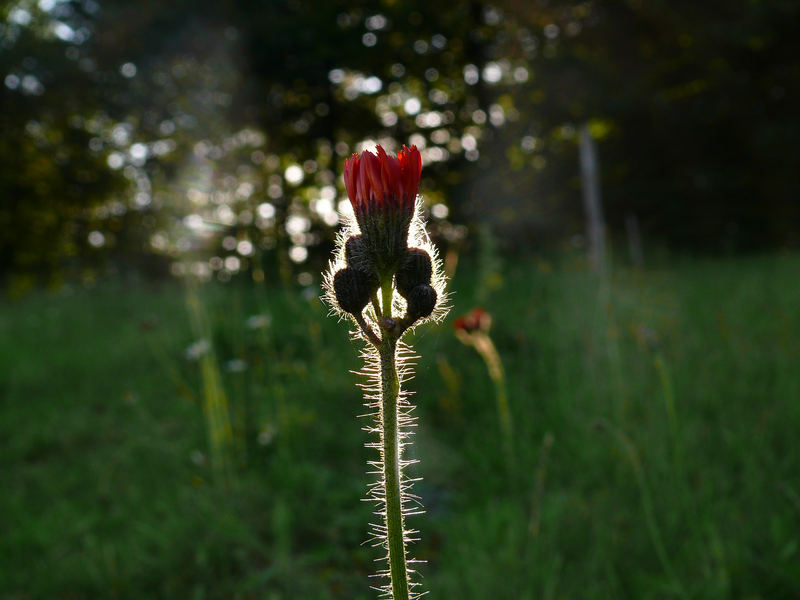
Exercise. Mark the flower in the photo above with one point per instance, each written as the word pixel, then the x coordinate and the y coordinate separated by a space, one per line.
pixel 198 349
pixel 385 248
pixel 383 182
pixel 478 319
pixel 383 192
pixel 258 321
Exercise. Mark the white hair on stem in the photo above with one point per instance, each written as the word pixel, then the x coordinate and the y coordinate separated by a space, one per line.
pixel 410 504
pixel 417 238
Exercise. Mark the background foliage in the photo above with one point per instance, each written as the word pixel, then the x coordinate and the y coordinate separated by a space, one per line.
pixel 184 129
pixel 670 472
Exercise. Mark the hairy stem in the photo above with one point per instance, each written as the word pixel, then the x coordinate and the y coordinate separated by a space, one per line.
pixel 390 446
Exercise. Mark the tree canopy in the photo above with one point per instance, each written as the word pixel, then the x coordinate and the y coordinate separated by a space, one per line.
pixel 138 129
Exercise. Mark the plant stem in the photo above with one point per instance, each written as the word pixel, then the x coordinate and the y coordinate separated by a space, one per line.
pixel 486 348
pixel 390 443
pixel 386 300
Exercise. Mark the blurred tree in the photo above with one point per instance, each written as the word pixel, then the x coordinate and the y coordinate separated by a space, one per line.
pixel 51 173
pixel 693 103
pixel 214 131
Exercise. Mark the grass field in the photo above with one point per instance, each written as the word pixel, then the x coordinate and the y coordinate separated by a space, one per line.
pixel 656 420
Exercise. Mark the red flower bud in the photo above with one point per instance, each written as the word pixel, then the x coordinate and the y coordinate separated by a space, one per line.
pixel 478 319
pixel 383 191
pixel 383 182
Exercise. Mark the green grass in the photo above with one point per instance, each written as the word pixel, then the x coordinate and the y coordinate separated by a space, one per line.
pixel 672 397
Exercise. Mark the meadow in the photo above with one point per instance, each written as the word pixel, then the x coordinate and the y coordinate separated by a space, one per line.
pixel 655 455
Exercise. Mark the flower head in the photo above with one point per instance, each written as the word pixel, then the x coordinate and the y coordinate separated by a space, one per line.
pixel 383 192
pixel 382 182
pixel 478 319
pixel 386 274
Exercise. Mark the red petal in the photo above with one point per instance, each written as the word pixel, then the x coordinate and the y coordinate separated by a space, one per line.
pixel 374 173
pixel 350 170
pixel 378 180
pixel 411 161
